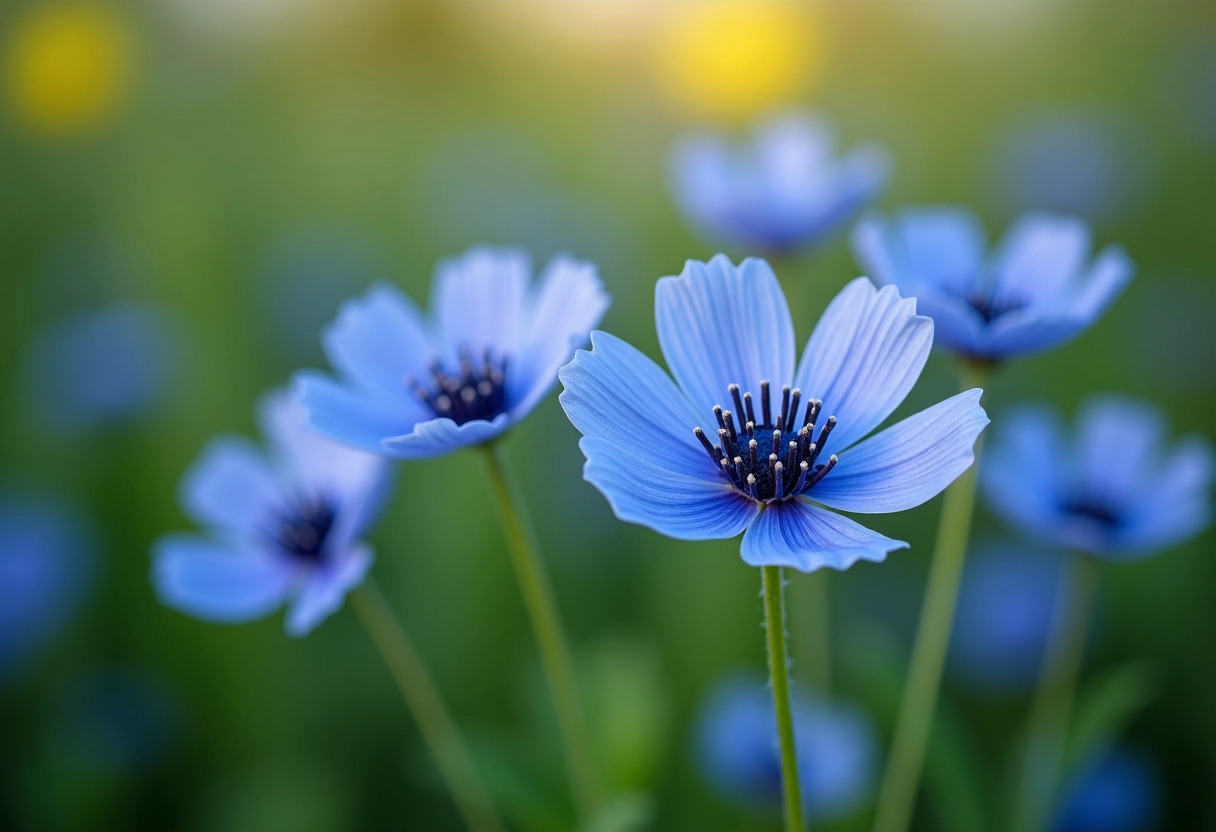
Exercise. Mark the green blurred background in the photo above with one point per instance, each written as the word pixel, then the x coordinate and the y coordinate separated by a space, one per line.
pixel 241 167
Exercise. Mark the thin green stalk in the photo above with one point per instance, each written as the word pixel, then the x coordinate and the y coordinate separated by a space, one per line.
pixel 547 626
pixel 423 699
pixel 1049 716
pixel 897 797
pixel 779 674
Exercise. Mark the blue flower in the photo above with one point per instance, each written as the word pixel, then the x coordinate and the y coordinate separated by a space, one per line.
pixel 786 189
pixel 1038 290
pixel 1006 603
pixel 46 567
pixel 746 439
pixel 413 390
pixel 736 749
pixel 1116 488
pixel 284 525
pixel 1117 790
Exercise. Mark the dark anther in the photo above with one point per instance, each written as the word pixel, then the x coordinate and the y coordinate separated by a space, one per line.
pixel 474 392
pixel 734 394
pixel 765 409
pixel 302 532
pixel 795 400
pixel 747 403
pixel 785 406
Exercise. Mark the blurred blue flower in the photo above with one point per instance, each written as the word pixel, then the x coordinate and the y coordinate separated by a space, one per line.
pixel 413 390
pixel 1037 290
pixel 1116 791
pixel 726 333
pixel 1006 603
pixel 103 366
pixel 736 749
pixel 784 190
pixel 46 567
pixel 284 525
pixel 1116 488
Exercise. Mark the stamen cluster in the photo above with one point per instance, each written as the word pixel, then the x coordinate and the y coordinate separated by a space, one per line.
pixel 474 391
pixel 770 459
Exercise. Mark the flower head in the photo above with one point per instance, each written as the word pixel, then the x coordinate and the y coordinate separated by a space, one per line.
pixel 413 389
pixel 1116 488
pixel 786 189
pixel 745 439
pixel 1037 290
pixel 736 749
pixel 284 525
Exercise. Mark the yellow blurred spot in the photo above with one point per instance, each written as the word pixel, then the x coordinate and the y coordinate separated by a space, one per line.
pixel 730 59
pixel 68 67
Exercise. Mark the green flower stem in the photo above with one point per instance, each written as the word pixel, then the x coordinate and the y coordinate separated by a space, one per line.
pixel 1049 716
pixel 779 674
pixel 546 624
pixel 897 797
pixel 423 699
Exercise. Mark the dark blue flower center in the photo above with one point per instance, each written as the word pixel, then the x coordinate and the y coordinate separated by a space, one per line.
pixel 1093 510
pixel 770 456
pixel 302 532
pixel 470 392
pixel 991 307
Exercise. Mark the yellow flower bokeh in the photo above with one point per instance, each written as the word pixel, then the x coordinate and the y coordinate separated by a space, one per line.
pixel 68 68
pixel 731 59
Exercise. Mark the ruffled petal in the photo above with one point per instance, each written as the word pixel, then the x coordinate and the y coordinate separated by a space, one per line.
pixel 441 436
pixel 357 416
pixel 1038 258
pixel 211 582
pixel 909 462
pixel 864 356
pixel 803 536
pixel 232 486
pixel 568 304
pixel 325 591
pixel 479 299
pixel 721 324
pixel 615 392
pixel 379 340
pixel 677 505
pixel 1022 474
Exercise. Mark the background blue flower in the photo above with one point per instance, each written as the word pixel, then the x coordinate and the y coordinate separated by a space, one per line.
pixel 284 525
pixel 414 389
pixel 736 749
pixel 726 333
pixel 784 189
pixel 1036 290
pixel 1116 790
pixel 1116 487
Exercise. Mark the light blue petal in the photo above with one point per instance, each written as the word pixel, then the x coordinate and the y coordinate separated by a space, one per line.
pixel 1176 504
pixel 909 462
pixel 357 416
pixel 1039 257
pixel 232 487
pixel 1107 278
pixel 562 312
pixel 1117 442
pixel 957 325
pixel 441 436
pixel 208 581
pixel 379 341
pixel 937 246
pixel 1023 471
pixel 677 505
pixel 325 591
pixel 806 537
pixel 614 392
pixel 864 356
pixel 479 300
pixel 721 324
pixel 1029 331
pixel 701 181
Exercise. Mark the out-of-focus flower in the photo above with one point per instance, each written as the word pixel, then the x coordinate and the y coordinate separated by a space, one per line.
pixel 102 367
pixel 731 59
pixel 1006 603
pixel 1037 290
pixel 69 67
pixel 284 525
pixel 1082 163
pixel 413 390
pixel 1116 791
pixel 46 566
pixel 784 190
pixel 736 749
pixel 1116 488
pixel 726 333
